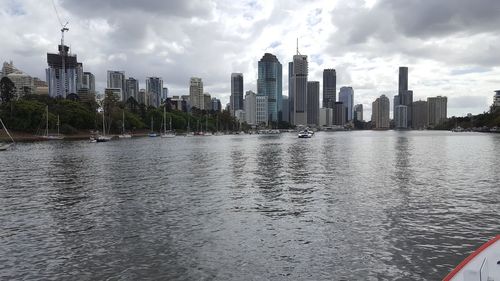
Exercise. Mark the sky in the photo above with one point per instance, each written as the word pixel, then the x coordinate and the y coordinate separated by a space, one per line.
pixel 451 47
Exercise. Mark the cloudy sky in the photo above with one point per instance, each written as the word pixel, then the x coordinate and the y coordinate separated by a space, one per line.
pixel 452 47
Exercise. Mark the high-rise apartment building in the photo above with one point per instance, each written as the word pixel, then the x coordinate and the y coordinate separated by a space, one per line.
pixel 420 115
pixel 269 83
pixel 196 92
pixel 207 101
pixel 236 99
pixel 358 112
pixel 154 88
pixel 299 80
pixel 346 96
pixel 437 107
pixel 131 89
pixel 62 73
pixel 400 115
pixel 261 115
pixel 116 80
pixel 329 88
pixel 380 113
pixel 326 116
pixel 313 103
pixel 404 97
pixel 250 106
pixel 339 114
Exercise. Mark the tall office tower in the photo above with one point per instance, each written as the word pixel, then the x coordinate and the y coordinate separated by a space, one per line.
pixel 131 89
pixel 236 98
pixel 116 80
pixel 329 88
pixel 216 105
pixel 291 101
pixel 261 115
pixel 79 75
pixel 403 80
pixel 141 97
pixel 269 83
pixel 358 112
pixel 250 108
pixel 313 103
pixel 300 71
pixel 404 97
pixel 346 96
pixel 437 110
pixel 380 112
pixel 164 93
pixel 420 115
pixel 154 87
pixel 326 116
pixel 338 114
pixel 61 73
pixel 207 101
pixel 400 114
pixel 89 81
pixel 196 92
pixel 285 108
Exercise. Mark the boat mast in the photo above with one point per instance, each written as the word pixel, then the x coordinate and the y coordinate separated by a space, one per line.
pixel 164 120
pixel 58 125
pixel 123 122
pixel 103 114
pixel 7 131
pixel 47 121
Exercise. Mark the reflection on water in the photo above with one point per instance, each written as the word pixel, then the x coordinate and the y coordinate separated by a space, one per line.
pixel 343 205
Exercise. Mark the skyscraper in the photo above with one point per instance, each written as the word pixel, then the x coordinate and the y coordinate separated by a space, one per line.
pixel 403 80
pixel 236 99
pixel 250 108
pixel 437 107
pixel 420 115
pixel 313 103
pixel 380 113
pixel 154 87
pixel 285 108
pixel 291 100
pixel 261 115
pixel 299 80
pixel 116 80
pixel 269 83
pixel 358 112
pixel 329 87
pixel 62 73
pixel 196 92
pixel 131 89
pixel 346 96
pixel 338 114
pixel 404 97
pixel 89 81
pixel 400 114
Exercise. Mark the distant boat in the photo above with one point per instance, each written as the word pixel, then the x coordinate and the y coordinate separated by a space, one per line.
pixel 305 134
pixel 124 135
pixel 6 146
pixel 169 133
pixel 46 135
pixel 152 134
pixel 481 265
pixel 103 137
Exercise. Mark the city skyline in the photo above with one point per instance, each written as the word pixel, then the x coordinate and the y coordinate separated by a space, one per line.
pixel 107 40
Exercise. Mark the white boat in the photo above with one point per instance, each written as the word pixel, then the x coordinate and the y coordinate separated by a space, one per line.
pixel 46 135
pixel 152 134
pixel 481 265
pixel 99 137
pixel 124 135
pixel 6 146
pixel 306 134
pixel 169 133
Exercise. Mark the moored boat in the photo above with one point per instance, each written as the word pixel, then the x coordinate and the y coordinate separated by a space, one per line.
pixel 481 265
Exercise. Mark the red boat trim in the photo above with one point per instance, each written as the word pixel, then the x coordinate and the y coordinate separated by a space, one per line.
pixel 469 258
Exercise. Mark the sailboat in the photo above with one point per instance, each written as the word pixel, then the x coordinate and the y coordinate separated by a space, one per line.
pixel 188 131
pixel 217 132
pixel 6 146
pixel 124 135
pixel 46 135
pixel 206 128
pixel 169 133
pixel 103 137
pixel 152 134
pixel 199 129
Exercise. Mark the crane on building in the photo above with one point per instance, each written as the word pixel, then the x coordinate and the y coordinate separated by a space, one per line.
pixel 62 50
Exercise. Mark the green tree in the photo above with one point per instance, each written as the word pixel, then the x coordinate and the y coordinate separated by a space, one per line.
pixel 7 90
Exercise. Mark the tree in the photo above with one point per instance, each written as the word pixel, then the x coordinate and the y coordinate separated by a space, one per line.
pixel 7 90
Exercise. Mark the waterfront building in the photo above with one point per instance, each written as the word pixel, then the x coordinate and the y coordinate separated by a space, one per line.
pixel 346 96
pixel 381 112
pixel 496 99
pixel 23 82
pixel 313 103
pixel 61 73
pixel 291 101
pixel 404 96
pixel 329 88
pixel 285 109
pixel 403 80
pixel 269 83
pixel 141 97
pixel 207 101
pixel 400 114
pixel 116 80
pixel 358 112
pixel 437 108
pixel 131 89
pixel 196 92
pixel 250 106
pixel 420 115
pixel 261 115
pixel 88 82
pixel 339 114
pixel 216 105
pixel 299 80
pixel 154 88
pixel 326 117
pixel 236 98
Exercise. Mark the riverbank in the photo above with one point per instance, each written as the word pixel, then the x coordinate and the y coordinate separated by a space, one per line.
pixel 81 135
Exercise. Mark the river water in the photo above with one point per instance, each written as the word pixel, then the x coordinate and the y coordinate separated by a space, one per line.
pixel 360 205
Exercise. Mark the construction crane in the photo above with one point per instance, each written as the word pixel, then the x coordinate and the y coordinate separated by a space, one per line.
pixel 62 50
